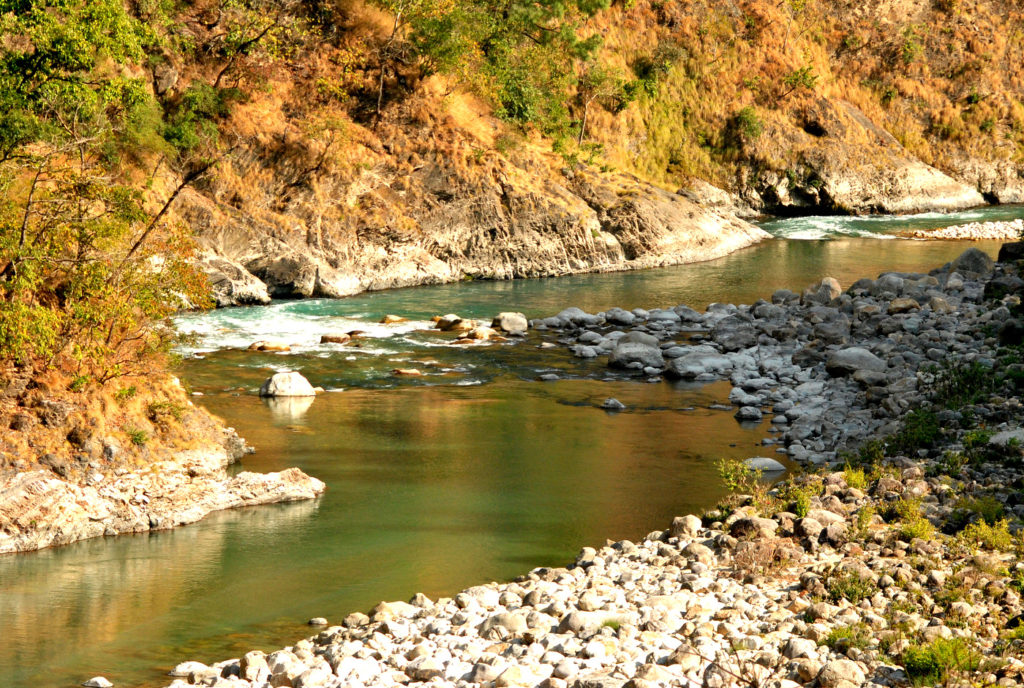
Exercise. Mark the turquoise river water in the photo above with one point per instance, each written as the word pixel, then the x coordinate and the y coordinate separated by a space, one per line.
pixel 473 472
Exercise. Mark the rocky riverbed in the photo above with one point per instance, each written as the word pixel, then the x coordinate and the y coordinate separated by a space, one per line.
pixel 976 231
pixel 893 560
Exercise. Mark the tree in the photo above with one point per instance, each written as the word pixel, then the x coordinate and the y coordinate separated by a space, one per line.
pixel 85 271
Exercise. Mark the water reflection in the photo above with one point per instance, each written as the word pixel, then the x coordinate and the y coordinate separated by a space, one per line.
pixel 68 611
pixel 287 409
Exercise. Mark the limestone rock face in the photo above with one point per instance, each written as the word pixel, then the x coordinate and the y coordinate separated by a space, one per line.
pixel 289 384
pixel 40 510
pixel 231 284
pixel 516 223
pixel 837 160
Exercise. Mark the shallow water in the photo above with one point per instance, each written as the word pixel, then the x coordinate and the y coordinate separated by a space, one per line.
pixel 473 472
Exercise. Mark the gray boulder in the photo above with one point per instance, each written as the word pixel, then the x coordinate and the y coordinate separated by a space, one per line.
pixel 973 261
pixel 763 463
pixel 734 333
pixel 852 359
pixel 579 318
pixel 628 351
pixel 511 323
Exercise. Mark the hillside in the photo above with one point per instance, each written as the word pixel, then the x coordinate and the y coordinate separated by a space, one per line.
pixel 363 155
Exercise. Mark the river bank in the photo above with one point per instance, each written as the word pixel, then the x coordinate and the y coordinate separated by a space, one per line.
pixel 838 579
pixel 80 464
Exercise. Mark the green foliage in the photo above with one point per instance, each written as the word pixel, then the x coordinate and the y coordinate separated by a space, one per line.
pixel 137 436
pixel 850 586
pixel 161 412
pixel 804 78
pixel 842 638
pixel 958 384
pixel 84 268
pixel 737 476
pixel 994 536
pixel 529 59
pixel 911 522
pixel 920 431
pixel 855 478
pixel 935 662
pixel 125 393
pixel 747 124
pixel 989 509
pixel 193 123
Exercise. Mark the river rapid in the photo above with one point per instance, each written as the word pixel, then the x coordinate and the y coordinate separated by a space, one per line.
pixel 475 471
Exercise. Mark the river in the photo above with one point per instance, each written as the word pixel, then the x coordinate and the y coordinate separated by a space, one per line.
pixel 473 472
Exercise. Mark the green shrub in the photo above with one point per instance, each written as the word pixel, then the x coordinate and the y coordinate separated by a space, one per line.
pixel 934 663
pixel 851 587
pixel 137 436
pixel 988 508
pixel 842 638
pixel 920 431
pixel 996 536
pixel 855 478
pixel 737 475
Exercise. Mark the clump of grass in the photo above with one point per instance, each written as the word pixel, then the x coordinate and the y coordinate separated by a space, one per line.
pixel 842 638
pixel 936 662
pixel 125 393
pixel 995 536
pixel 851 586
pixel 161 412
pixel 855 478
pixel 137 436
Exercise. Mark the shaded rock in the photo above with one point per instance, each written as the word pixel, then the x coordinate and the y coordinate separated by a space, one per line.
pixel 973 261
pixel 850 360
pixel 734 333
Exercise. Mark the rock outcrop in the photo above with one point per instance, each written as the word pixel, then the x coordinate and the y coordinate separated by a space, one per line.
pixel 839 161
pixel 509 224
pixel 39 509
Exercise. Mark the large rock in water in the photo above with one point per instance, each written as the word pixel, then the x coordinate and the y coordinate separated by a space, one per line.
pixel 636 348
pixel 511 323
pixel 850 360
pixel 290 384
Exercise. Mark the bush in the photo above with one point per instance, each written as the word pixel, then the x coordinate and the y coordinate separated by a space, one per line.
pixel 842 638
pixel 851 587
pixel 996 536
pixel 935 662
pixel 748 123
pixel 855 478
pixel 920 431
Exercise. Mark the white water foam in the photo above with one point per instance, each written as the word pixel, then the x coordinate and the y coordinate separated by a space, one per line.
pixel 238 328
